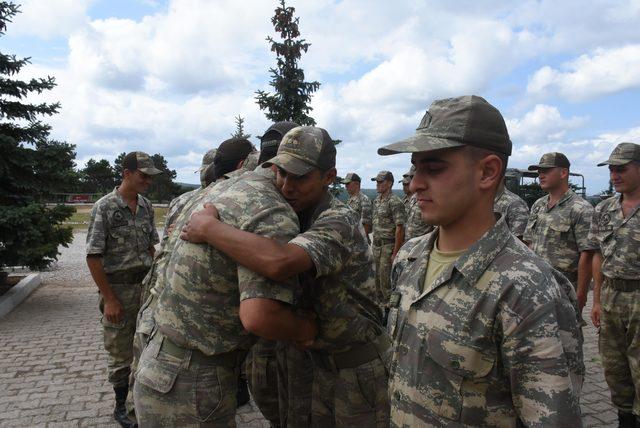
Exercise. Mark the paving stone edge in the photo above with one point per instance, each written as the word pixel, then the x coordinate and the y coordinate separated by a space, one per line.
pixel 12 298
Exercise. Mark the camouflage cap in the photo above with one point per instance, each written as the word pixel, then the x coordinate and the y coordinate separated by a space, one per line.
pixel 623 154
pixel 207 159
pixel 233 149
pixel 455 122
pixel 304 148
pixel 140 161
pixel 551 160
pixel 383 176
pixel 411 172
pixel 352 176
pixel 406 179
pixel 276 131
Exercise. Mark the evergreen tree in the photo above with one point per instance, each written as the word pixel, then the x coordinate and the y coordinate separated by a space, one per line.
pixel 30 165
pixel 162 187
pixel 99 176
pixel 292 94
pixel 240 129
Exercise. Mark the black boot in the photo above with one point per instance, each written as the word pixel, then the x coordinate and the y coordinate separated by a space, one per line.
pixel 626 420
pixel 120 411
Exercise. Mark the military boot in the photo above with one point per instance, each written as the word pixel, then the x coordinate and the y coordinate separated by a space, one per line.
pixel 120 411
pixel 626 420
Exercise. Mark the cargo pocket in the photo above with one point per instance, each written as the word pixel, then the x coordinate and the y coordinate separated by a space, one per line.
pixel 449 362
pixel 157 372
pixel 211 404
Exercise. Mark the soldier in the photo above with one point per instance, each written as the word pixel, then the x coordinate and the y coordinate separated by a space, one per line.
pixel 616 274
pixel 415 226
pixel 406 180
pixel 514 210
pixel 558 227
pixel 334 259
pixel 358 201
pixel 209 306
pixel 120 248
pixel 485 333
pixel 389 218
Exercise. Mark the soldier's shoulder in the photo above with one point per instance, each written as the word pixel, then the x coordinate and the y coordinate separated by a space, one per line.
pixel 145 201
pixel 607 203
pixel 107 201
pixel 414 247
pixel 581 204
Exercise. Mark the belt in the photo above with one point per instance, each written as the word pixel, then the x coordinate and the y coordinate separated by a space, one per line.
pixel 127 277
pixel 378 242
pixel 227 359
pixel 355 356
pixel 622 284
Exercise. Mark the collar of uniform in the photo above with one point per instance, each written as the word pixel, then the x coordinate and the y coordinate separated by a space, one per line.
pixel 500 193
pixel 121 202
pixel 234 173
pixel 616 204
pixel 382 198
pixel 567 195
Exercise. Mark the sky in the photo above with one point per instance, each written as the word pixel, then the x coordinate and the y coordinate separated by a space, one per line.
pixel 170 76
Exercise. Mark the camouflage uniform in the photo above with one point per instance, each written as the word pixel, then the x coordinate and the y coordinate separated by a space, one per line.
pixel 361 204
pixel 351 350
pixel 618 240
pixel 415 224
pixel 560 233
pixel 188 372
pixel 388 212
pixel 514 209
pixel 494 340
pixel 124 241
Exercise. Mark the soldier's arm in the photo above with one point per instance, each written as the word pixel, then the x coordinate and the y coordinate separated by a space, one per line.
pixel 399 240
pixel 584 277
pixel 597 285
pixel 275 321
pixel 400 219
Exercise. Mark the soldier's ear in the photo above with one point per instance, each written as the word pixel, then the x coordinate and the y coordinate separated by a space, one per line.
pixel 491 172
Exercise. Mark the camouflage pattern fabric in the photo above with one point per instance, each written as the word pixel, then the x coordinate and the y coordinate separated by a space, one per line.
pixel 118 337
pixel 388 212
pixel 558 234
pixel 122 238
pixel 343 297
pixel 175 207
pixel 382 261
pixel 619 343
pixel 617 239
pixel 295 382
pixel 415 224
pixel 514 209
pixel 181 392
pixel 406 201
pixel 197 309
pixel 494 341
pixel 261 368
pixel 361 204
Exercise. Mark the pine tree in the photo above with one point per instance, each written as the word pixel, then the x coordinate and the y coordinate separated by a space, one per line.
pixel 240 129
pixel 292 94
pixel 30 166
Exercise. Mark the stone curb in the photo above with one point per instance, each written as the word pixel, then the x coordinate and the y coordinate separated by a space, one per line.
pixel 18 293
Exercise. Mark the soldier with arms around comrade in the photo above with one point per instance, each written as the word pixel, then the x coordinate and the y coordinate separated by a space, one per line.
pixel 334 260
pixel 120 251
pixel 485 332
pixel 616 272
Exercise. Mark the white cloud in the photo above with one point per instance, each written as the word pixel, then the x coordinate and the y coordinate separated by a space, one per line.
pixel 603 72
pixel 542 125
pixel 50 18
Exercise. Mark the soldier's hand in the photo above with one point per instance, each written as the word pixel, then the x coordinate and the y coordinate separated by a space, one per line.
pixel 113 311
pixel 195 229
pixel 595 314
pixel 582 301
pixel 170 228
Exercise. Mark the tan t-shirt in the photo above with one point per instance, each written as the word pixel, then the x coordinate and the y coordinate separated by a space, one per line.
pixel 438 262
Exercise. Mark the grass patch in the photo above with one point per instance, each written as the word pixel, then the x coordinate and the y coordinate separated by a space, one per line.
pixel 80 219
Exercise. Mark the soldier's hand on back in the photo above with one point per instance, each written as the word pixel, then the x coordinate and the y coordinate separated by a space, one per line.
pixel 195 229
pixel 113 311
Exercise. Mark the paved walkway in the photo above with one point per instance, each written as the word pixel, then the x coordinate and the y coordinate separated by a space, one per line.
pixel 52 364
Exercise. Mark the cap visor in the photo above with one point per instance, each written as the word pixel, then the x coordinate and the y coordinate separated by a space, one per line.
pixel 345 181
pixel 614 162
pixel 150 171
pixel 534 167
pixel 290 164
pixel 418 143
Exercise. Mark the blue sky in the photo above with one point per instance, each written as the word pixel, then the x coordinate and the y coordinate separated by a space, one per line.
pixel 169 76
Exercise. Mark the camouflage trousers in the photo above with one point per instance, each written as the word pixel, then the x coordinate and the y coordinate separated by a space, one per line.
pixel 382 259
pixel 261 369
pixel 183 391
pixel 620 346
pixel 356 397
pixel 118 337
pixel 295 379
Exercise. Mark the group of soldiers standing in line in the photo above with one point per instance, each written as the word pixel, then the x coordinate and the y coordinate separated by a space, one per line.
pixel 462 309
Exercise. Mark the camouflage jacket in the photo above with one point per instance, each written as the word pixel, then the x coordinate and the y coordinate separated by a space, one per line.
pixel 361 204
pixel 494 339
pixel 343 286
pixel 415 224
pixel 388 212
pixel 198 307
pixel 514 209
pixel 617 239
pixel 560 233
pixel 175 206
pixel 406 201
pixel 121 237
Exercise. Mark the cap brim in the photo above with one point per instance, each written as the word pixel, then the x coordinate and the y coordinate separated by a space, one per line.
pixel 418 143
pixel 345 181
pixel 290 164
pixel 150 171
pixel 614 162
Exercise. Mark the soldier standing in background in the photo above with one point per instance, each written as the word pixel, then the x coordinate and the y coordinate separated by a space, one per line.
pixel 485 332
pixel 389 218
pixel 358 201
pixel 120 248
pixel 406 180
pixel 514 210
pixel 415 225
pixel 616 272
pixel 558 227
